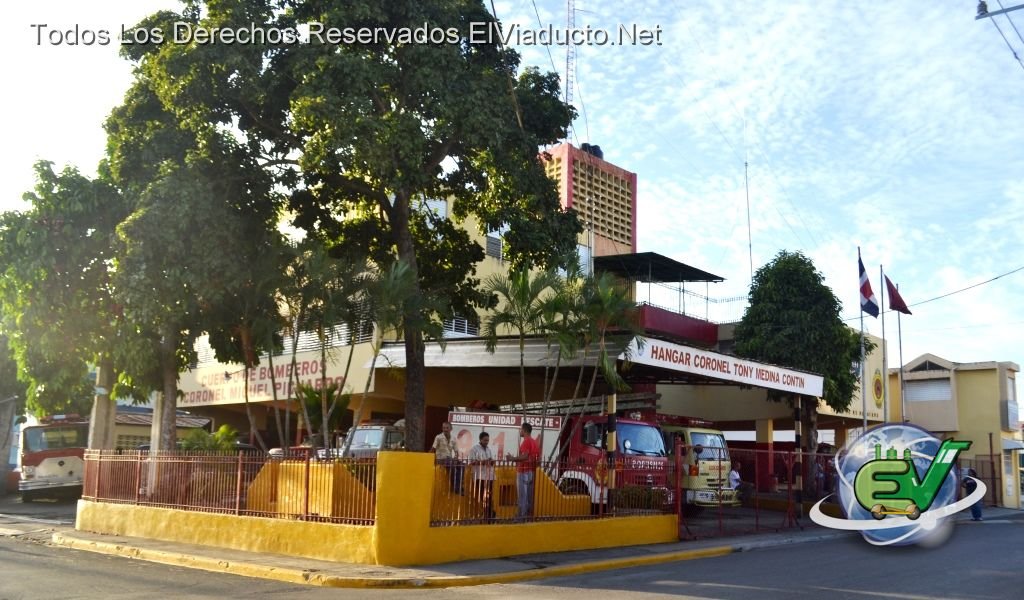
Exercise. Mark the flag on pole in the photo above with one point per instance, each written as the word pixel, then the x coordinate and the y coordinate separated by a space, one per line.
pixel 868 302
pixel 895 300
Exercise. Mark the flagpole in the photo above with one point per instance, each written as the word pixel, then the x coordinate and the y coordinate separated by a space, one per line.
pixel 903 394
pixel 863 396
pixel 885 361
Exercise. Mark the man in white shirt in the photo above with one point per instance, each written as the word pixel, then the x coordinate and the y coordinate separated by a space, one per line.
pixel 482 458
pixel 742 488
pixel 446 453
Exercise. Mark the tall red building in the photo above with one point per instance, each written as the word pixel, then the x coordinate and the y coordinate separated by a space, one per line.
pixel 603 194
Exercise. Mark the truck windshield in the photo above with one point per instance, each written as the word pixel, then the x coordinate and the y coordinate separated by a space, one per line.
pixel 713 445
pixel 55 438
pixel 367 438
pixel 643 439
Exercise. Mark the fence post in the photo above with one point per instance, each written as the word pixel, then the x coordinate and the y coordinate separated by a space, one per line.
pixel 99 471
pixel 757 488
pixel 678 452
pixel 305 508
pixel 138 475
pixel 238 485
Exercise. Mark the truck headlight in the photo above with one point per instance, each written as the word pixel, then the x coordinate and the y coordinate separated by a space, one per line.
pixel 28 472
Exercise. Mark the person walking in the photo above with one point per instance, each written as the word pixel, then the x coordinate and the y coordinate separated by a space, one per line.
pixel 482 458
pixel 526 470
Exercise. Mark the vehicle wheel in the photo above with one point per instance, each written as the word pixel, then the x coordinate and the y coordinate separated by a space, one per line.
pixel 915 512
pixel 571 487
pixel 877 512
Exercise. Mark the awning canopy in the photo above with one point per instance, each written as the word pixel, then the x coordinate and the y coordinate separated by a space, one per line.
pixel 1013 445
pixel 668 357
pixel 653 267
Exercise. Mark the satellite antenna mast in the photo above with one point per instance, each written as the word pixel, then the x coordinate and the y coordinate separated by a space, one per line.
pixel 570 60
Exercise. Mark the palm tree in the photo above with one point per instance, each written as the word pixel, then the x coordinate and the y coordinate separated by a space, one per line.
pixel 387 297
pixel 607 320
pixel 521 308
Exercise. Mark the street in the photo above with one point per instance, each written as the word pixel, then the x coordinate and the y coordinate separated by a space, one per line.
pixel 981 560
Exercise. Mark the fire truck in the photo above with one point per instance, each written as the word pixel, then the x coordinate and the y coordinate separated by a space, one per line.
pixel 51 457
pixel 576 446
pixel 705 459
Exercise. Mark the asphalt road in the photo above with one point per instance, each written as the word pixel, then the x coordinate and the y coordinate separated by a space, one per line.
pixel 981 560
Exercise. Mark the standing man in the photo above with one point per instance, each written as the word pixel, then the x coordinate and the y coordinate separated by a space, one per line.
pixel 446 453
pixel 482 458
pixel 529 456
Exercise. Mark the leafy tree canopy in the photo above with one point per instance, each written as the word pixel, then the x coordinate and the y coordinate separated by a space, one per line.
pixel 366 131
pixel 794 320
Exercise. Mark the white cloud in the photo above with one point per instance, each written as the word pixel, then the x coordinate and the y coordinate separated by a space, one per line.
pixel 892 127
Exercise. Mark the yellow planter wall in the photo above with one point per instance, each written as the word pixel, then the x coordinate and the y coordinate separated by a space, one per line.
pixel 401 534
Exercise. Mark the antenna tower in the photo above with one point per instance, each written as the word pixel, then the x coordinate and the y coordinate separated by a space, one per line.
pixel 570 59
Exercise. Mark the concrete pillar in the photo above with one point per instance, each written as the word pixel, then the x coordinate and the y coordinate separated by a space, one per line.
pixel 765 467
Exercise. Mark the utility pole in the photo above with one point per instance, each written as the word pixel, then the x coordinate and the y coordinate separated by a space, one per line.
pixel 983 12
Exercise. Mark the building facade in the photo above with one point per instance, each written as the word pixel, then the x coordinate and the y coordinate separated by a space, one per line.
pixel 976 402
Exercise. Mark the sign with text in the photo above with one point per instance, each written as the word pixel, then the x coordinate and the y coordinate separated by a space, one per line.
pixel 212 385
pixel 504 431
pixel 676 357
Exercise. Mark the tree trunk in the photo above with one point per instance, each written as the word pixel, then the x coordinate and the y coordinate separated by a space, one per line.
pixel 248 413
pixel 522 371
pixel 415 363
pixel 273 386
pixel 102 435
pixel 8 410
pixel 809 420
pixel 168 408
pixel 324 409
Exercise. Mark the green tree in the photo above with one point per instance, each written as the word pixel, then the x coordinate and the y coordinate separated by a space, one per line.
pixel 200 440
pixel 521 309
pixel 794 320
pixel 12 404
pixel 605 322
pixel 367 131
pixel 57 298
pixel 203 212
pixel 389 294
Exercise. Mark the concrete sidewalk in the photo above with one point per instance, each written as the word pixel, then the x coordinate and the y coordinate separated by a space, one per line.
pixel 467 573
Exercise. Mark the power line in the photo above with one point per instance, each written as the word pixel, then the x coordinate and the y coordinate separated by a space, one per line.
pixel 1021 268
pixel 948 294
pixel 1010 19
pixel 1008 44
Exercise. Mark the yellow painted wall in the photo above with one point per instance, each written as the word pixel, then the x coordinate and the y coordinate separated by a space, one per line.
pixel 401 536
pixel 404 537
pixel 310 539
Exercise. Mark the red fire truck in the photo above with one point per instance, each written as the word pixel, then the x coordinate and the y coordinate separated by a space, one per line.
pixel 51 457
pixel 579 454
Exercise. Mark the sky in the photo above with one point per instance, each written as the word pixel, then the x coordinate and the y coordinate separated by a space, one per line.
pixel 895 127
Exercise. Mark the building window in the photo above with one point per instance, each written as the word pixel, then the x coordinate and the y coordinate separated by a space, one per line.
pixel 460 327
pixel 929 390
pixel 494 246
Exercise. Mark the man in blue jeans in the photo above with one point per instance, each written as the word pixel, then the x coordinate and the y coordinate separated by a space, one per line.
pixel 528 458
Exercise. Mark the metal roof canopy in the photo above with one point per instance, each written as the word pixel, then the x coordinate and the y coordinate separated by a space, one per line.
pixel 652 267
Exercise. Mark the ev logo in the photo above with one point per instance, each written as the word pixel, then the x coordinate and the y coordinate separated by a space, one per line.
pixel 903 498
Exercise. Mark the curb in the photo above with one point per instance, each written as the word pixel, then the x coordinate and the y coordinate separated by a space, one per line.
pixel 318 578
